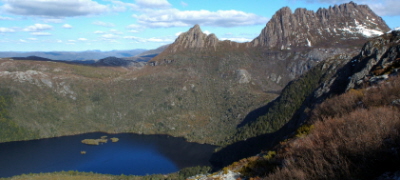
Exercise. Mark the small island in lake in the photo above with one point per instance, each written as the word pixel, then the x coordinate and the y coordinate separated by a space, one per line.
pixel 102 139
pixel 114 139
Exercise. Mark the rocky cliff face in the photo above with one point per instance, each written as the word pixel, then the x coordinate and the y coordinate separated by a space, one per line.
pixel 377 60
pixel 194 39
pixel 331 26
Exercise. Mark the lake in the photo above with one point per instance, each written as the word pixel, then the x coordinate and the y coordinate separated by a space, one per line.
pixel 132 155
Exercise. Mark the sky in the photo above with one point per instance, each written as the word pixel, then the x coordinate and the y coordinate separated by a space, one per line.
pixel 80 25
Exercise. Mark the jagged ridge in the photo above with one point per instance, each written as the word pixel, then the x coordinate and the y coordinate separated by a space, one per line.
pixel 305 28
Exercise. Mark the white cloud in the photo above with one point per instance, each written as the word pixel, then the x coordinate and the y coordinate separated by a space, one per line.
pixel 178 33
pixel 53 8
pixel 159 40
pixel 38 27
pixel 184 4
pixel 145 40
pixel 381 7
pixel 109 36
pixel 82 39
pixel 6 18
pixel 237 39
pixel 41 34
pixel 114 31
pixel 67 26
pixel 134 26
pixel 386 7
pixel 32 39
pixel 207 32
pixel 153 3
pixel 6 30
pixel 99 32
pixel 104 24
pixel 177 18
pixel 21 40
pixel 53 20
pixel 139 5
pixel 71 40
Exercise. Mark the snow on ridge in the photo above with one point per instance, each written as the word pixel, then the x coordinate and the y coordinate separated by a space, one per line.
pixel 364 30
pixel 395 29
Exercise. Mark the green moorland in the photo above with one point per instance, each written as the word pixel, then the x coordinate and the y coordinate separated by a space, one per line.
pixel 75 175
pixel 198 96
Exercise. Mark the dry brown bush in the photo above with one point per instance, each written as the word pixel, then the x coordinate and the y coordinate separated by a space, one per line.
pixel 375 96
pixel 355 136
pixel 358 145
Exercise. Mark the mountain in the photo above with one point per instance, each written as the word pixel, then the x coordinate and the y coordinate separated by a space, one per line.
pixel 147 55
pixel 326 27
pixel 119 62
pixel 299 40
pixel 73 56
pixel 286 30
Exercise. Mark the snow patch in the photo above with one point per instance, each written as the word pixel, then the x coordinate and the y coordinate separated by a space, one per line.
pixel 308 43
pixel 395 29
pixel 361 29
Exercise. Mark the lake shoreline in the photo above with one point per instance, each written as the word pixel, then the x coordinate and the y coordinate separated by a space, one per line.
pixel 162 154
pixel 109 133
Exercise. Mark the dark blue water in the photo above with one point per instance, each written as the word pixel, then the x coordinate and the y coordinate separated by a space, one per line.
pixel 131 155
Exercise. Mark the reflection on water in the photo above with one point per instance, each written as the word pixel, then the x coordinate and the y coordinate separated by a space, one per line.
pixel 131 155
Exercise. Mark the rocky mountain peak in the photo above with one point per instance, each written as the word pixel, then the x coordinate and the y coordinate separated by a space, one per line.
pixel 305 28
pixel 195 38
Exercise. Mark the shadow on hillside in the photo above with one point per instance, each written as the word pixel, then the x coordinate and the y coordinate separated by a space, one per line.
pixel 253 115
pixel 250 147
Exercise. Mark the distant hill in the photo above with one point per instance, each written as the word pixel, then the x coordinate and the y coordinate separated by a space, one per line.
pixel 71 55
pixel 114 61
pixel 147 55
pixel 37 58
pixel 89 57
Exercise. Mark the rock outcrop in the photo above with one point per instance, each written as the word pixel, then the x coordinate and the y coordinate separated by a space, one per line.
pixel 305 28
pixel 377 60
pixel 194 39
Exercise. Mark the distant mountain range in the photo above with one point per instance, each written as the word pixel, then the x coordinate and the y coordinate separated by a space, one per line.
pixel 71 55
pixel 138 57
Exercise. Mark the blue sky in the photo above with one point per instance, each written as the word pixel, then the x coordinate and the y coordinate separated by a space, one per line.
pixel 79 25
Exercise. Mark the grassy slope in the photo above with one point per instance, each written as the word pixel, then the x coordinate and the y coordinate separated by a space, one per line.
pixel 75 175
pixel 197 97
pixel 351 136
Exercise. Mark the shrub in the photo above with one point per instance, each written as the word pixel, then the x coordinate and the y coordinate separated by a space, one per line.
pixel 304 130
pixel 357 145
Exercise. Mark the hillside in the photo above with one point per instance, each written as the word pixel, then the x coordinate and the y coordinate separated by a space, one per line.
pixel 72 55
pixel 327 129
pixel 334 76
